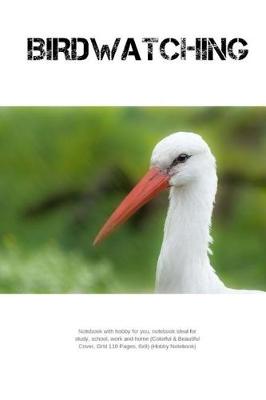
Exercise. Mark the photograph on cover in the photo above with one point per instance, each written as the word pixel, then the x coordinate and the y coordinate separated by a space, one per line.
pixel 126 199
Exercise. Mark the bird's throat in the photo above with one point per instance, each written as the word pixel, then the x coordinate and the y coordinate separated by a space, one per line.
pixel 183 265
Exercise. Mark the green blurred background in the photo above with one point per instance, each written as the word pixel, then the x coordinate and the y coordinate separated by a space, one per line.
pixel 64 170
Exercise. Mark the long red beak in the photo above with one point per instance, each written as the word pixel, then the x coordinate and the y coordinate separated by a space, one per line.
pixel 148 187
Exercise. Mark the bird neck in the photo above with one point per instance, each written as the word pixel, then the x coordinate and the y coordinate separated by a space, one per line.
pixel 183 265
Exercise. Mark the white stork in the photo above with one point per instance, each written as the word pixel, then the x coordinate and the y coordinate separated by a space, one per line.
pixel 184 163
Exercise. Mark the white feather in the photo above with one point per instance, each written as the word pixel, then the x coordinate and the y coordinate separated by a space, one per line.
pixel 183 265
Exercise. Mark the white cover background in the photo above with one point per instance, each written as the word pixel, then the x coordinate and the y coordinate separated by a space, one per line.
pixel 160 82
pixel 38 357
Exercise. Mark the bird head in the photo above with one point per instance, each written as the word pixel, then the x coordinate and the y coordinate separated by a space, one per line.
pixel 177 160
pixel 184 157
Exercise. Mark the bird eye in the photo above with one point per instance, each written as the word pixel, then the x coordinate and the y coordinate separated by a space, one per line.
pixel 180 159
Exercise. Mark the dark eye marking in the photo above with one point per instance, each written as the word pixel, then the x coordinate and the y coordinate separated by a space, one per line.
pixel 180 159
